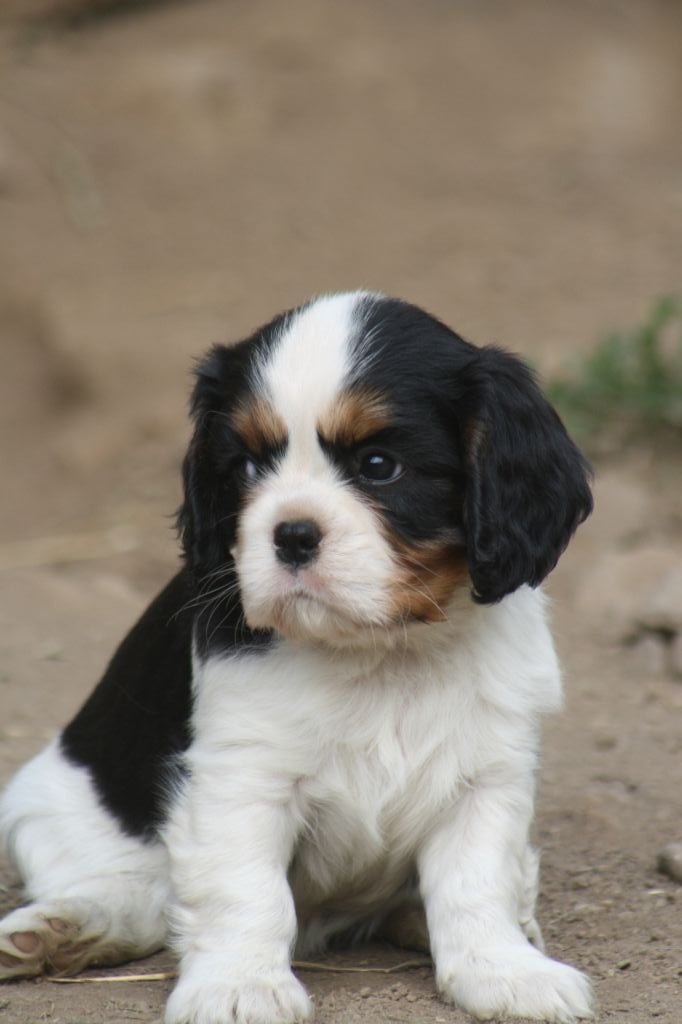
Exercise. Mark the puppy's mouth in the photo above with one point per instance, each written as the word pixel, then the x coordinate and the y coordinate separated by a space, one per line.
pixel 305 608
pixel 307 585
pixel 306 592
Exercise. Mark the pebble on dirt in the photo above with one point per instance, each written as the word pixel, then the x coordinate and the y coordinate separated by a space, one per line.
pixel 669 861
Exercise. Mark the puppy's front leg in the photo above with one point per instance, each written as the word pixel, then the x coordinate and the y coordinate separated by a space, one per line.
pixel 230 843
pixel 473 884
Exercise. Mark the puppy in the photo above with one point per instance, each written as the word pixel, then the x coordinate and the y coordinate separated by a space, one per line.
pixel 330 716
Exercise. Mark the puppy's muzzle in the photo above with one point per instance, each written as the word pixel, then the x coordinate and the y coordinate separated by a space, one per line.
pixel 297 542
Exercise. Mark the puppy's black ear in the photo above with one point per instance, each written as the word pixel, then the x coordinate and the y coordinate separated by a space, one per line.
pixel 206 518
pixel 526 483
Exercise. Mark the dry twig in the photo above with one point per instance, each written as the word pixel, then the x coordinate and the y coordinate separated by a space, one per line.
pixel 300 965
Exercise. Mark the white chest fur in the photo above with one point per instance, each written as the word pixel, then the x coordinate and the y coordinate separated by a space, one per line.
pixel 369 749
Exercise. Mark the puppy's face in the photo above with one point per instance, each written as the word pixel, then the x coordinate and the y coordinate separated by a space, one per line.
pixel 360 463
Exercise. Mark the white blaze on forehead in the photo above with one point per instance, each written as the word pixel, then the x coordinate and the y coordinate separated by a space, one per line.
pixel 307 368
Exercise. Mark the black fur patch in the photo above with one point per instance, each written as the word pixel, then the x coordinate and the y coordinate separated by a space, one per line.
pixel 213 482
pixel 136 721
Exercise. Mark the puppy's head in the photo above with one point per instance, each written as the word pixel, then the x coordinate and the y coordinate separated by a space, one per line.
pixel 361 463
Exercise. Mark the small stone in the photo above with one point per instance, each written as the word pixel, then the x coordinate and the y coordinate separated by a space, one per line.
pixel 411 997
pixel 624 964
pixel 365 992
pixel 649 654
pixel 669 861
pixel 662 606
pixel 616 593
pixel 605 741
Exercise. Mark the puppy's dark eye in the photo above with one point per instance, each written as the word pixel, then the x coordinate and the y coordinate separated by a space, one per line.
pixel 379 467
pixel 250 468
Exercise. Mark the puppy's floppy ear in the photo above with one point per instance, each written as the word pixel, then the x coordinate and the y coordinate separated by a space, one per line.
pixel 204 520
pixel 526 486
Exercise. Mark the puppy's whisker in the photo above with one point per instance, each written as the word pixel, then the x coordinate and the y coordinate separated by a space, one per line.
pixel 215 604
pixel 426 568
pixel 221 570
pixel 227 518
pixel 220 583
pixel 199 601
pixel 218 595
pixel 216 627
pixel 420 592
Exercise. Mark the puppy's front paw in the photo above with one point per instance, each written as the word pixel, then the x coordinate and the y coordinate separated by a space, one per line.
pixel 273 998
pixel 515 981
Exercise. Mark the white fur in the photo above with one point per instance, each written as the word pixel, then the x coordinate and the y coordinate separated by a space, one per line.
pixel 359 757
pixel 308 366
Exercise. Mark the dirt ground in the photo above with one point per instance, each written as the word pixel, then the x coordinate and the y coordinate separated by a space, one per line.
pixel 176 175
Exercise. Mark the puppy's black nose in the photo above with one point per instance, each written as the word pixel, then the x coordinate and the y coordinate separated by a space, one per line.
pixel 297 542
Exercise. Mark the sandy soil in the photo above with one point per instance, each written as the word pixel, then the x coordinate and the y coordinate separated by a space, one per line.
pixel 173 178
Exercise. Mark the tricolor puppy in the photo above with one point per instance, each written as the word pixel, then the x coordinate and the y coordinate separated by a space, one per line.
pixel 328 720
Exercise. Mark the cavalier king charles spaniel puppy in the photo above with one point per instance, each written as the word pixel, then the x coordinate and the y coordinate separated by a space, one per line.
pixel 326 726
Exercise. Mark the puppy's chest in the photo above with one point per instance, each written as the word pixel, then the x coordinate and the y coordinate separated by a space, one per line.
pixel 374 770
pixel 380 781
pixel 369 757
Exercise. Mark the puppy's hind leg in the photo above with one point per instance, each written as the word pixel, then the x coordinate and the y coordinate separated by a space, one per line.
pixel 97 895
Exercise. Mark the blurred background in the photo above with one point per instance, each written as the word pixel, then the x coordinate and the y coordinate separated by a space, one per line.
pixel 173 174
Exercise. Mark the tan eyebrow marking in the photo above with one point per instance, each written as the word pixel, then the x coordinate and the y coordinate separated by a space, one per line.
pixel 259 425
pixel 353 416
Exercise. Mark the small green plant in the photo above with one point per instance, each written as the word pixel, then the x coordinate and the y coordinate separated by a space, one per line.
pixel 631 384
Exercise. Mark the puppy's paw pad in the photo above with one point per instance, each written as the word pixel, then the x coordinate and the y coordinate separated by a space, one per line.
pixel 21 954
pixel 518 985
pixel 44 936
pixel 22 951
pixel 57 924
pixel 25 942
pixel 277 998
